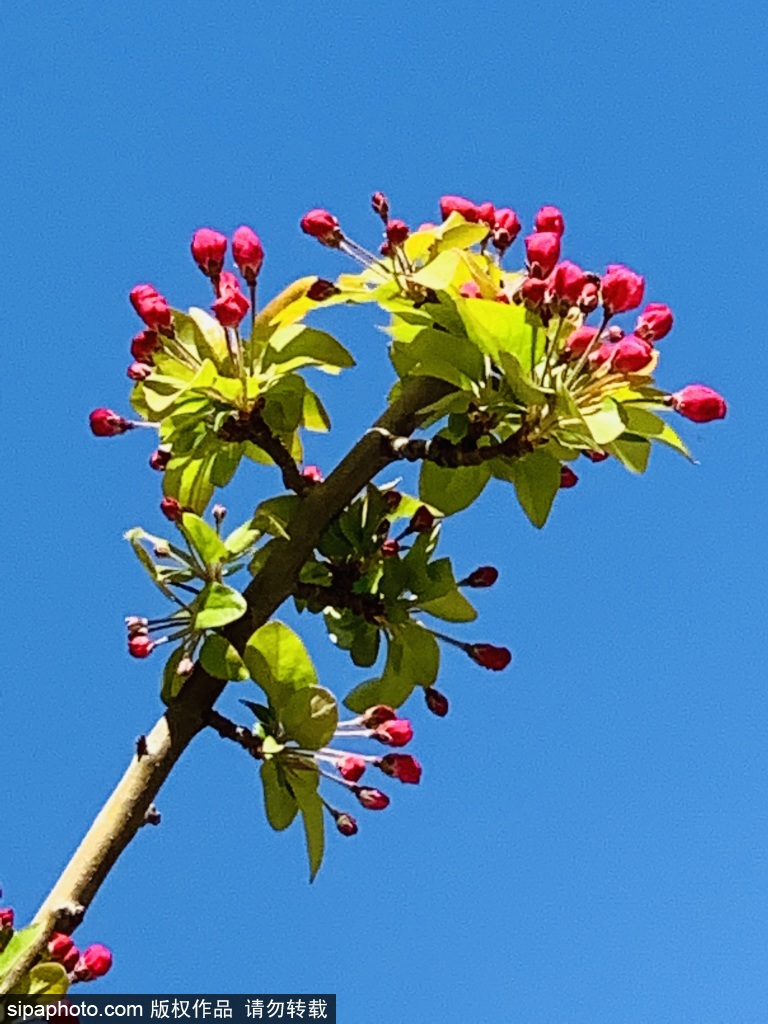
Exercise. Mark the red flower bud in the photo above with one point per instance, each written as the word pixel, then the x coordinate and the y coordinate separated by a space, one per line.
pixel 402 767
pixel 151 306
pixel 486 214
pixel 346 824
pixel 371 799
pixel 654 322
pixel 321 289
pixel 569 282
pixel 136 624
pixel 144 345
pixel 231 305
pixel 436 702
pixel 506 228
pixel 543 251
pixel 138 371
pixel 248 253
pixel 622 289
pixel 699 403
pixel 392 499
pixel 62 950
pixel 590 298
pixel 159 459
pixel 352 768
pixel 458 204
pixel 95 961
pixel 567 477
pixel 6 918
pixel 397 732
pixel 397 232
pixel 313 474
pixel 595 456
pixel 501 296
pixel 485 576
pixel 422 520
pixel 533 291
pixel 106 423
pixel 470 290
pixel 390 548
pixel 171 509
pixel 494 658
pixel 377 715
pixel 323 226
pixel 140 645
pixel 579 341
pixel 631 354
pixel 380 205
pixel 208 249
pixel 549 218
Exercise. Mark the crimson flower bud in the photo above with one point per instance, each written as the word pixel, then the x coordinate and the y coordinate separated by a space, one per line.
pixel 543 251
pixel 248 253
pixel 392 499
pixel 144 345
pixel 377 715
pixel 595 456
pixel 380 205
pixel 506 228
pixel 699 403
pixel 590 298
pixel 106 423
pixel 486 214
pixel 458 204
pixel 140 645
pixel 501 296
pixel 494 658
pixel 549 218
pixel 631 354
pixel 422 520
pixel 208 248
pixel 622 289
pixel 136 624
pixel 6 918
pixel 352 768
pixel 397 232
pixel 371 799
pixel 62 950
pixel 231 305
pixel 321 289
pixel 151 306
pixel 569 282
pixel 313 474
pixel 138 371
pixel 323 226
pixel 654 322
pixel 533 291
pixel 579 341
pixel 159 459
pixel 436 702
pixel 485 576
pixel 94 962
pixel 567 477
pixel 397 732
pixel 171 509
pixel 390 548
pixel 402 767
pixel 346 824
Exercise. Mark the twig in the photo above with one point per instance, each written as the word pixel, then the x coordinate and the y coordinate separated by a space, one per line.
pixel 229 730
pixel 252 427
pixel 445 453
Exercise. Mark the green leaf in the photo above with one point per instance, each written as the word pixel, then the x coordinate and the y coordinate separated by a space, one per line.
pixel 393 691
pixel 606 424
pixel 172 681
pixel 413 658
pixel 220 659
pixel 314 415
pixel 203 539
pixel 451 490
pixel 285 404
pixel 297 345
pixel 188 479
pixel 135 537
pixel 242 538
pixel 310 717
pixel 496 327
pixel 225 463
pixel 536 477
pixel 48 979
pixel 649 425
pixel 520 384
pixel 632 452
pixel 304 785
pixel 280 804
pixel 17 946
pixel 433 353
pixel 452 607
pixel 278 662
pixel 365 645
pixel 218 606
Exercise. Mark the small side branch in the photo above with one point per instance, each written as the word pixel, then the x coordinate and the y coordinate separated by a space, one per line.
pixel 445 453
pixel 252 427
pixel 229 730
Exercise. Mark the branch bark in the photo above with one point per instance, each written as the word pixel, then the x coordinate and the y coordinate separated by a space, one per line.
pixel 123 814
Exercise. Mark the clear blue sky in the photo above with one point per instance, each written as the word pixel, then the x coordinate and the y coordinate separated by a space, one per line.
pixel 589 843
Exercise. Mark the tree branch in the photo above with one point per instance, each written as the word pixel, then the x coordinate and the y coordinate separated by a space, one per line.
pixel 445 453
pixel 123 814
pixel 253 427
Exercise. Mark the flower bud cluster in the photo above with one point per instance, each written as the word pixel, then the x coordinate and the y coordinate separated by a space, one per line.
pixel 93 962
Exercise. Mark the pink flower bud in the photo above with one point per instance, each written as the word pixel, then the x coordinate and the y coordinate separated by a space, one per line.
pixel 248 253
pixel 567 477
pixel 377 715
pixel 323 226
pixel 320 290
pixel 159 459
pixel 506 228
pixel 543 251
pixel 6 918
pixel 95 961
pixel 402 767
pixel 208 249
pixel 631 354
pixel 568 282
pixel 458 204
pixel 144 345
pixel 422 520
pixel 397 732
pixel 549 218
pixel 346 824
pixel 595 456
pixel 533 292
pixel 486 214
pixel 390 548
pixel 151 306
pixel 140 645
pixel 436 702
pixel 654 322
pixel 352 768
pixel 371 799
pixel 622 289
pixel 699 403
pixel 579 341
pixel 470 290
pixel 106 423
pixel 62 950
pixel 231 305
pixel 313 474
pixel 485 576
pixel 494 658
pixel 138 371
pixel 397 232
pixel 380 205
pixel 136 624
pixel 171 509
pixel 590 298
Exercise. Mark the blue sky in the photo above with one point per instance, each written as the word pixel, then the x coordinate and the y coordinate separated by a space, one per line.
pixel 589 840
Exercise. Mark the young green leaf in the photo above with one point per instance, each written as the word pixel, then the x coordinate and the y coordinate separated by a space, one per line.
pixel 304 785
pixel 297 345
pixel 220 659
pixel 219 605
pixel 280 804
pixel 17 946
pixel 278 662
pixel 536 477
pixel 203 539
pixel 310 717
pixel 451 490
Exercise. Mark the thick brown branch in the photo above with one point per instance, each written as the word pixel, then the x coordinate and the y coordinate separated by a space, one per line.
pixel 445 453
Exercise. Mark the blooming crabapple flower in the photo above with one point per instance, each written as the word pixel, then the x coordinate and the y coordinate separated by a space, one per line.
pixel 436 702
pixel 402 767
pixel 6 918
pixel 699 403
pixel 470 290
pixel 62 950
pixel 159 459
pixel 654 322
pixel 568 282
pixel 248 253
pixel 94 962
pixel 346 824
pixel 397 732
pixel 208 249
pixel 567 477
pixel 485 576
pixel 321 289
pixel 171 509
pixel 140 645
pixel 397 232
pixel 371 799
pixel 351 768
pixel 494 658
pixel 579 341
pixel 533 291
pixel 380 205
pixel 549 218
pixel 390 548
pixel 543 251
pixel 621 288
pixel 106 423
pixel 231 305
pixel 323 226
pixel 138 371
pixel 151 306
pixel 144 345
pixel 506 228
pixel 422 520
pixel 313 474
pixel 595 456
pixel 377 715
